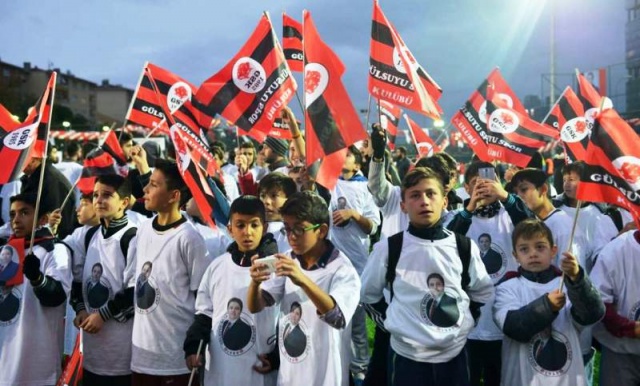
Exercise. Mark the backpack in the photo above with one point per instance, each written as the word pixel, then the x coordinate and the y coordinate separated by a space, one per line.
pixel 125 240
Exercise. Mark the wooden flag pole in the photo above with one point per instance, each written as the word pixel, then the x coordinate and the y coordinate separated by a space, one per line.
pixel 573 232
pixel 366 125
pixel 193 370
pixel 64 202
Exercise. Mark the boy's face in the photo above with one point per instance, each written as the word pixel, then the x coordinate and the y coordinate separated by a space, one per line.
pixel 273 201
pixel 157 196
pixel 22 217
pixel 424 203
pixel 246 230
pixel 85 212
pixel 570 182
pixel 107 202
pixel 533 197
pixel 535 254
pixel 126 149
pixel 350 166
pixel 301 245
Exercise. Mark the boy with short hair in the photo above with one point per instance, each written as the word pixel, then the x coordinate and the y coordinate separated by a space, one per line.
pixel 171 259
pixel 323 281
pixel 428 333
pixel 31 326
pixel 541 327
pixel 235 337
pixel 274 189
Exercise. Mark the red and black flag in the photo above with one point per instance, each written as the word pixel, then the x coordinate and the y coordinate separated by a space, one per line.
pixel 112 146
pixel 389 121
pixel 7 123
pixel 292 43
pixel 72 373
pixel 612 164
pixel 253 87
pixel 97 163
pixel 471 119
pixel 394 73
pixel 28 139
pixel 145 108
pixel 568 117
pixel 589 96
pixel 280 129
pixel 515 137
pixel 331 120
pixel 425 146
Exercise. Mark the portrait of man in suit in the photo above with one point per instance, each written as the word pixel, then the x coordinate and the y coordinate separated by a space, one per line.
pixel 97 293
pixel 442 309
pixel 236 334
pixel 491 258
pixel 8 263
pixel 9 304
pixel 145 293
pixel 548 352
pixel 294 339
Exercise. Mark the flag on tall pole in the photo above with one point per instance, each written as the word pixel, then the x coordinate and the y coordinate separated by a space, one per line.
pixel 425 146
pixel 568 117
pixel 292 43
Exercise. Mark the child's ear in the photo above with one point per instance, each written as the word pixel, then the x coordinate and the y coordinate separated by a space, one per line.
pixel 324 230
pixel 43 220
pixel 554 250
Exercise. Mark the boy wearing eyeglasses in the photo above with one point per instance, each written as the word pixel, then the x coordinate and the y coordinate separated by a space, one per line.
pixel 323 281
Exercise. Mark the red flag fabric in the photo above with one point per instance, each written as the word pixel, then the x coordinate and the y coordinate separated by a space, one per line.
pixel 389 121
pixel 97 163
pixel 17 256
pixel 72 373
pixel 568 117
pixel 471 119
pixel 394 73
pixel 280 129
pixel 253 87
pixel 331 120
pixel 7 123
pixel 112 146
pixel 612 164
pixel 27 139
pixel 292 43
pixel 425 146
pixel 145 109
pixel 588 94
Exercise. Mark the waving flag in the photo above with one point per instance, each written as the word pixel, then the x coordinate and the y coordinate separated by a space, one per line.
pixel 292 43
pixel 471 119
pixel 7 123
pixel 426 146
pixel 28 139
pixel 332 121
pixel 389 121
pixel 145 109
pixel 254 86
pixel 568 117
pixel 612 164
pixel 394 73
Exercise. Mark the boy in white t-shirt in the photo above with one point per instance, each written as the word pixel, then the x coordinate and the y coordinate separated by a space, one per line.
pixel 170 262
pixel 322 280
pixel 274 190
pixel 541 344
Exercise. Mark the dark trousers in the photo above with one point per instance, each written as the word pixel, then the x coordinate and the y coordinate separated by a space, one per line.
pixel 377 370
pixel 91 379
pixel 406 372
pixel 138 379
pixel 485 361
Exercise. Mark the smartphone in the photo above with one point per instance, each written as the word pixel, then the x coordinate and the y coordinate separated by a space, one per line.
pixel 269 262
pixel 487 173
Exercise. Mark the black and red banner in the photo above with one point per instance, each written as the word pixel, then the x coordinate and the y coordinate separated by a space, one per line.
pixel 568 117
pixel 425 146
pixel 253 87
pixel 389 121
pixel 292 43
pixel 394 73
pixel 332 121
pixel 612 164
pixel 7 123
pixel 97 163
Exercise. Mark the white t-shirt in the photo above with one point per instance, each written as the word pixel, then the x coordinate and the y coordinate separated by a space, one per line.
pixel 31 340
pixel 276 228
pixel 424 327
pixel 216 240
pixel 235 342
pixel 169 267
pixel 561 224
pixel 616 275
pixel 311 351
pixel 547 360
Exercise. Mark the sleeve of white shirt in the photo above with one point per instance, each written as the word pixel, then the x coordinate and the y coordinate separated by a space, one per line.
pixel 506 300
pixel 197 258
pixel 377 183
pixel 57 265
pixel 603 275
pixel 371 211
pixel 344 285
pixel 76 242
pixel 129 274
pixel 373 276
pixel 606 232
pixel 274 287
pixel 480 285
pixel 204 300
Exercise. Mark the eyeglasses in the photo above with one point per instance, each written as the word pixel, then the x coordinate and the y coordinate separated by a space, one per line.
pixel 299 231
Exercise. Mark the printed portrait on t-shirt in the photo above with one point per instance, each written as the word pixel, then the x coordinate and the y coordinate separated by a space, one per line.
pixel 9 262
pixel 493 257
pixel 293 335
pixel 236 332
pixel 146 292
pixel 9 305
pixel 550 352
pixel 342 204
pixel 438 307
pixel 97 289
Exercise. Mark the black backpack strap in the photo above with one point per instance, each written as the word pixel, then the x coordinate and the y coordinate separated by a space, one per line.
pixel 395 247
pixel 125 240
pixel 88 236
pixel 463 243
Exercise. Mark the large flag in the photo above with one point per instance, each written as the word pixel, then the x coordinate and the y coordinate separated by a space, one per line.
pixel 394 73
pixel 332 123
pixel 425 146
pixel 254 86
pixel 292 43
pixel 612 172
pixel 112 146
pixel 7 123
pixel 471 119
pixel 568 117
pixel 389 121
pixel 27 139
pixel 145 108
